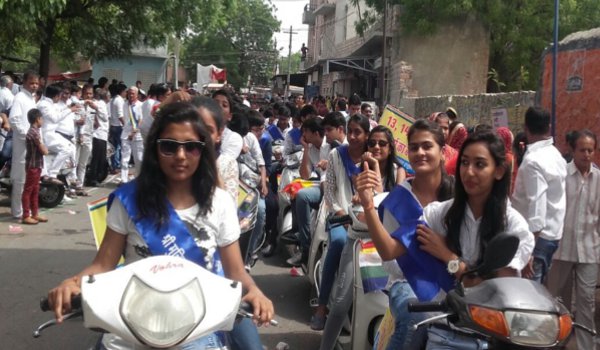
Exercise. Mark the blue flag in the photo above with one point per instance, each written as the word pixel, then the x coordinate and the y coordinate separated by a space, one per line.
pixel 425 273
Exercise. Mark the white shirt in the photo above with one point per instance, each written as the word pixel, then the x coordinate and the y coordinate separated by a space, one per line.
pixel 434 215
pixel 581 238
pixel 129 111
pixel 16 88
pixel 147 118
pixel 540 189
pixel 51 115
pixel 231 143
pixel 67 123
pixel 116 110
pixel 317 154
pixel 6 99
pixel 254 150
pixel 101 132
pixel 22 103
pixel 219 228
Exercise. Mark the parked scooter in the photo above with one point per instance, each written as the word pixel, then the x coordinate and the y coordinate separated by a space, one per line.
pixel 368 306
pixel 157 302
pixel 506 312
pixel 50 194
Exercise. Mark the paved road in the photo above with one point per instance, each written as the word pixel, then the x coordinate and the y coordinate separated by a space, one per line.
pixel 41 256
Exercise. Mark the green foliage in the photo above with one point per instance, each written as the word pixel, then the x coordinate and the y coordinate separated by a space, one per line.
pixel 240 41
pixel 294 63
pixel 519 30
pixel 100 28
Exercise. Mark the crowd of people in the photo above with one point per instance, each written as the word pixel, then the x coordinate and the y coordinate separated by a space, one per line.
pixel 466 184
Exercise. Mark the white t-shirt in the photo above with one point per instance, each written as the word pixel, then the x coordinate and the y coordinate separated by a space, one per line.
pixel 516 225
pixel 219 228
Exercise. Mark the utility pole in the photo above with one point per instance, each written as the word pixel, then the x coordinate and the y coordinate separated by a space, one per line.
pixel 287 84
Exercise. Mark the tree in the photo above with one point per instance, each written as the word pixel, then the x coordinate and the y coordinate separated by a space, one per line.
pixel 519 30
pixel 101 28
pixel 294 63
pixel 241 43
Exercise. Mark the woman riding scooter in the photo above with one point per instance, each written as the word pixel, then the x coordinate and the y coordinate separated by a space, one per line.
pixel 458 230
pixel 175 192
pixel 430 183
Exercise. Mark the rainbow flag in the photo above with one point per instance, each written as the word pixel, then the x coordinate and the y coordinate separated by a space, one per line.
pixel 373 275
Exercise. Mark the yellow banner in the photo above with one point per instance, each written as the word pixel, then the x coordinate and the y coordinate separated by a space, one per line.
pixel 98 210
pixel 399 123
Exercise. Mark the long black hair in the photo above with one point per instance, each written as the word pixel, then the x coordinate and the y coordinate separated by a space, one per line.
pixel 151 193
pixel 446 189
pixel 493 220
pixel 392 159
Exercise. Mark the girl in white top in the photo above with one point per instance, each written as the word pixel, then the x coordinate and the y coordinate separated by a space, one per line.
pixel 460 228
pixel 180 168
pixel 430 183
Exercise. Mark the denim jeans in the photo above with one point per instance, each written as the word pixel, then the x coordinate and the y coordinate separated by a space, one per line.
pixel 443 339
pixel 542 258
pixel 244 336
pixel 114 137
pixel 400 294
pixel 306 199
pixel 258 230
pixel 337 240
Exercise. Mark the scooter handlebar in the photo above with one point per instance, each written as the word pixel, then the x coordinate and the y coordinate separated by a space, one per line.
pixel 340 220
pixel 429 306
pixel 75 303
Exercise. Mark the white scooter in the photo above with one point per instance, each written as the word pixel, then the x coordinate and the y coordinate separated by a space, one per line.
pixel 158 302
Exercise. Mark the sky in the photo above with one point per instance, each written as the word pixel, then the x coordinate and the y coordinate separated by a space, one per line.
pixel 289 13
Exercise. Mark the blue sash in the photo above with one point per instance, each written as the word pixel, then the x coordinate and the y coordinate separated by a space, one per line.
pixel 275 132
pixel 171 238
pixel 296 135
pixel 425 273
pixel 349 166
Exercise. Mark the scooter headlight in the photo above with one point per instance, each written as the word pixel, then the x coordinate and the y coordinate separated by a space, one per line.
pixel 532 329
pixel 162 319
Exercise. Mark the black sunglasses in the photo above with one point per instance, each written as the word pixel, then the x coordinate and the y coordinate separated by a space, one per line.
pixel 169 147
pixel 381 143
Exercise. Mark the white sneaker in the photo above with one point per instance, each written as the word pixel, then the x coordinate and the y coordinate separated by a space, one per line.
pixel 295 260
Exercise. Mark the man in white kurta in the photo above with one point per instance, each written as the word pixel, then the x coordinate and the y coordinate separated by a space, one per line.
pixel 131 137
pixel 24 101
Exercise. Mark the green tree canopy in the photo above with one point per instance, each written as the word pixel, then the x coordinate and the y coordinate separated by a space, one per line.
pixel 519 30
pixel 241 42
pixel 100 28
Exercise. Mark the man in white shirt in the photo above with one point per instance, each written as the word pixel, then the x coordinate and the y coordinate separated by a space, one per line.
pixel 540 192
pixel 157 93
pixel 6 95
pixel 62 149
pixel 579 250
pixel 100 137
pixel 24 101
pixel 6 100
pixel 131 137
pixel 314 163
pixel 116 121
pixel 84 141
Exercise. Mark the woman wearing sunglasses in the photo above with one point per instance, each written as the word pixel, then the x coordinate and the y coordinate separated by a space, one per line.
pixel 380 149
pixel 176 191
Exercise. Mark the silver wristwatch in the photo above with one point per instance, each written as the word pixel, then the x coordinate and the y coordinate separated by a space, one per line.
pixel 453 266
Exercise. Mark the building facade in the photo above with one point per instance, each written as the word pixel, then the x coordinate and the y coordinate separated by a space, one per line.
pixel 453 60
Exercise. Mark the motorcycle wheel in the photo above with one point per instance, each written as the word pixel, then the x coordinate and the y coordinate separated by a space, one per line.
pixel 51 195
